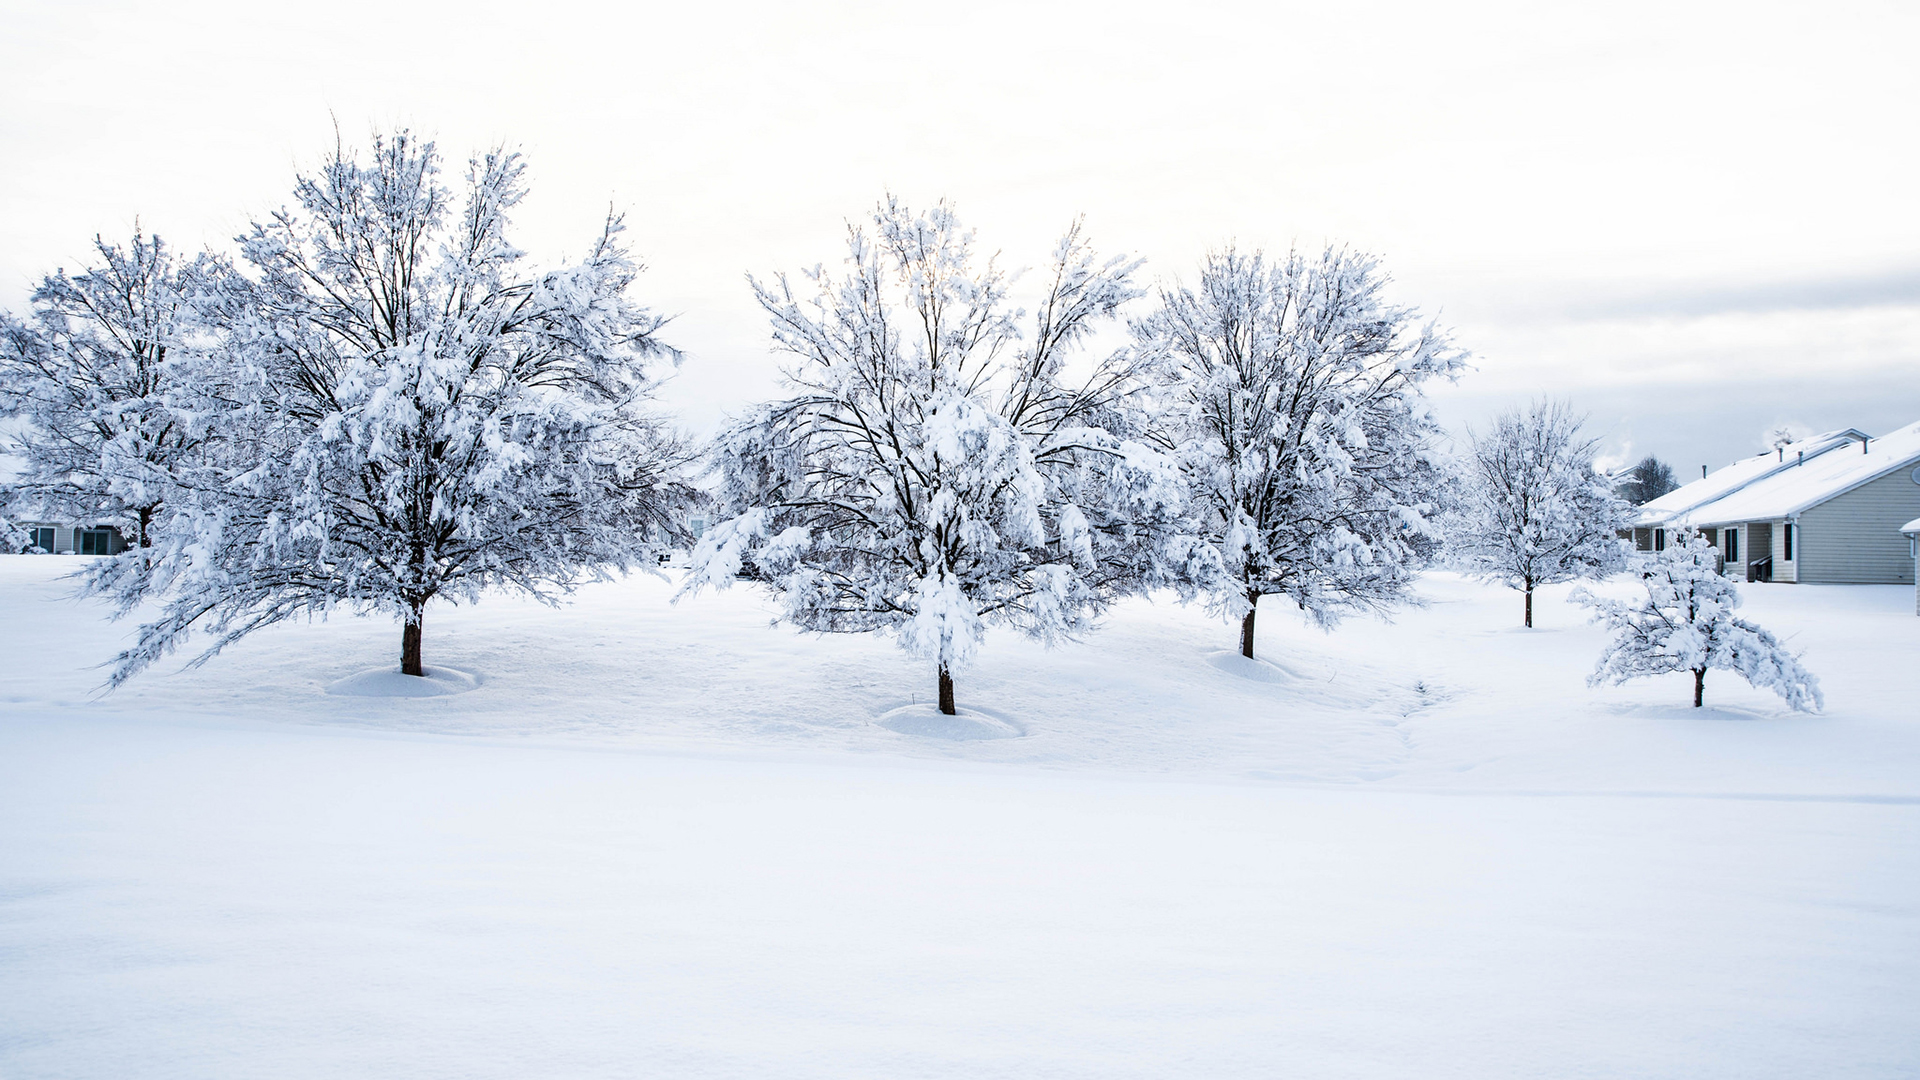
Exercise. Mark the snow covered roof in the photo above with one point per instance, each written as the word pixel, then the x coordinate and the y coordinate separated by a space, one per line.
pixel 1741 474
pixel 1778 485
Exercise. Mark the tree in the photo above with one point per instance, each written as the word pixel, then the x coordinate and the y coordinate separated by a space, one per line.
pixel 1647 481
pixel 933 472
pixel 93 376
pixel 1534 510
pixel 1686 623
pixel 1295 411
pixel 1783 435
pixel 409 415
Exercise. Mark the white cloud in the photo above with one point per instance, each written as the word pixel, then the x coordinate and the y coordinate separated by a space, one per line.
pixel 1501 158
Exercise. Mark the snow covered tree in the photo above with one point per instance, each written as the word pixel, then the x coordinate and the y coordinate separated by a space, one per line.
pixel 1534 510
pixel 1686 623
pixel 409 414
pixel 935 471
pixel 93 379
pixel 1294 407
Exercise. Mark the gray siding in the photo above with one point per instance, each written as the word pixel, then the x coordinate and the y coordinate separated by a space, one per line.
pixel 1784 569
pixel 62 535
pixel 66 538
pixel 1855 539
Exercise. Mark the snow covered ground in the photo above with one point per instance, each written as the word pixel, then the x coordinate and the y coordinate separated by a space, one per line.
pixel 623 838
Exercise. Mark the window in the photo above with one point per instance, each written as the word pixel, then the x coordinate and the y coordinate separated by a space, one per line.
pixel 1733 545
pixel 1659 539
pixel 93 541
pixel 698 527
pixel 1786 540
pixel 41 538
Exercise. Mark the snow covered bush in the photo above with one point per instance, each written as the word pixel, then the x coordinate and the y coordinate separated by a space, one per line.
pixel 408 415
pixel 1533 510
pixel 1686 623
pixel 93 377
pixel 934 471
pixel 1294 408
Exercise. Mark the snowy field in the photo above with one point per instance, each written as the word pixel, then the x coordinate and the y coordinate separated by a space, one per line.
pixel 647 840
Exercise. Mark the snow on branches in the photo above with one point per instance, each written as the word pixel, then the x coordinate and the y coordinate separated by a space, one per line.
pixel 1686 623
pixel 409 415
pixel 1533 509
pixel 1296 416
pixel 936 469
pixel 95 376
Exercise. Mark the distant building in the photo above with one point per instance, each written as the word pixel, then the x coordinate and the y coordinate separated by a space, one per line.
pixel 57 538
pixel 1826 509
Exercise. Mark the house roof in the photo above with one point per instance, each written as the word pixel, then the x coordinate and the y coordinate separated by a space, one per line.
pixel 1674 505
pixel 1778 485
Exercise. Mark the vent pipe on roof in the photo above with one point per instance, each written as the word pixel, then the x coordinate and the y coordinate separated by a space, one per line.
pixel 1703 472
pixel 1863 444
pixel 1779 453
pixel 1803 458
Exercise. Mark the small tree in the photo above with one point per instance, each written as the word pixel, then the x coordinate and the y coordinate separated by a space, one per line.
pixel 1783 435
pixel 94 377
pixel 1295 411
pixel 1686 623
pixel 1647 481
pixel 409 416
pixel 1534 510
pixel 933 472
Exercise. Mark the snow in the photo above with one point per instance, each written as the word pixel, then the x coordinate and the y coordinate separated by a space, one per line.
pixel 927 721
pixel 679 841
pixel 389 682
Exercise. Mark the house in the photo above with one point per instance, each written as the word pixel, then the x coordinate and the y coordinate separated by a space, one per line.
pixel 1825 509
pixel 68 539
pixel 1654 517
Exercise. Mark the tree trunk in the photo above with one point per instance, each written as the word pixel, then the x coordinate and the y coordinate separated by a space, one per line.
pixel 410 643
pixel 946 691
pixel 1529 607
pixel 1699 686
pixel 146 526
pixel 1246 626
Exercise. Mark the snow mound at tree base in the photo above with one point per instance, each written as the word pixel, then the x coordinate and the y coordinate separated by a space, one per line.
pixel 387 682
pixel 1351 686
pixel 1233 663
pixel 927 721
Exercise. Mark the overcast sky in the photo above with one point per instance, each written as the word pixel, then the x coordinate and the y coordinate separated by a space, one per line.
pixel 1693 221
